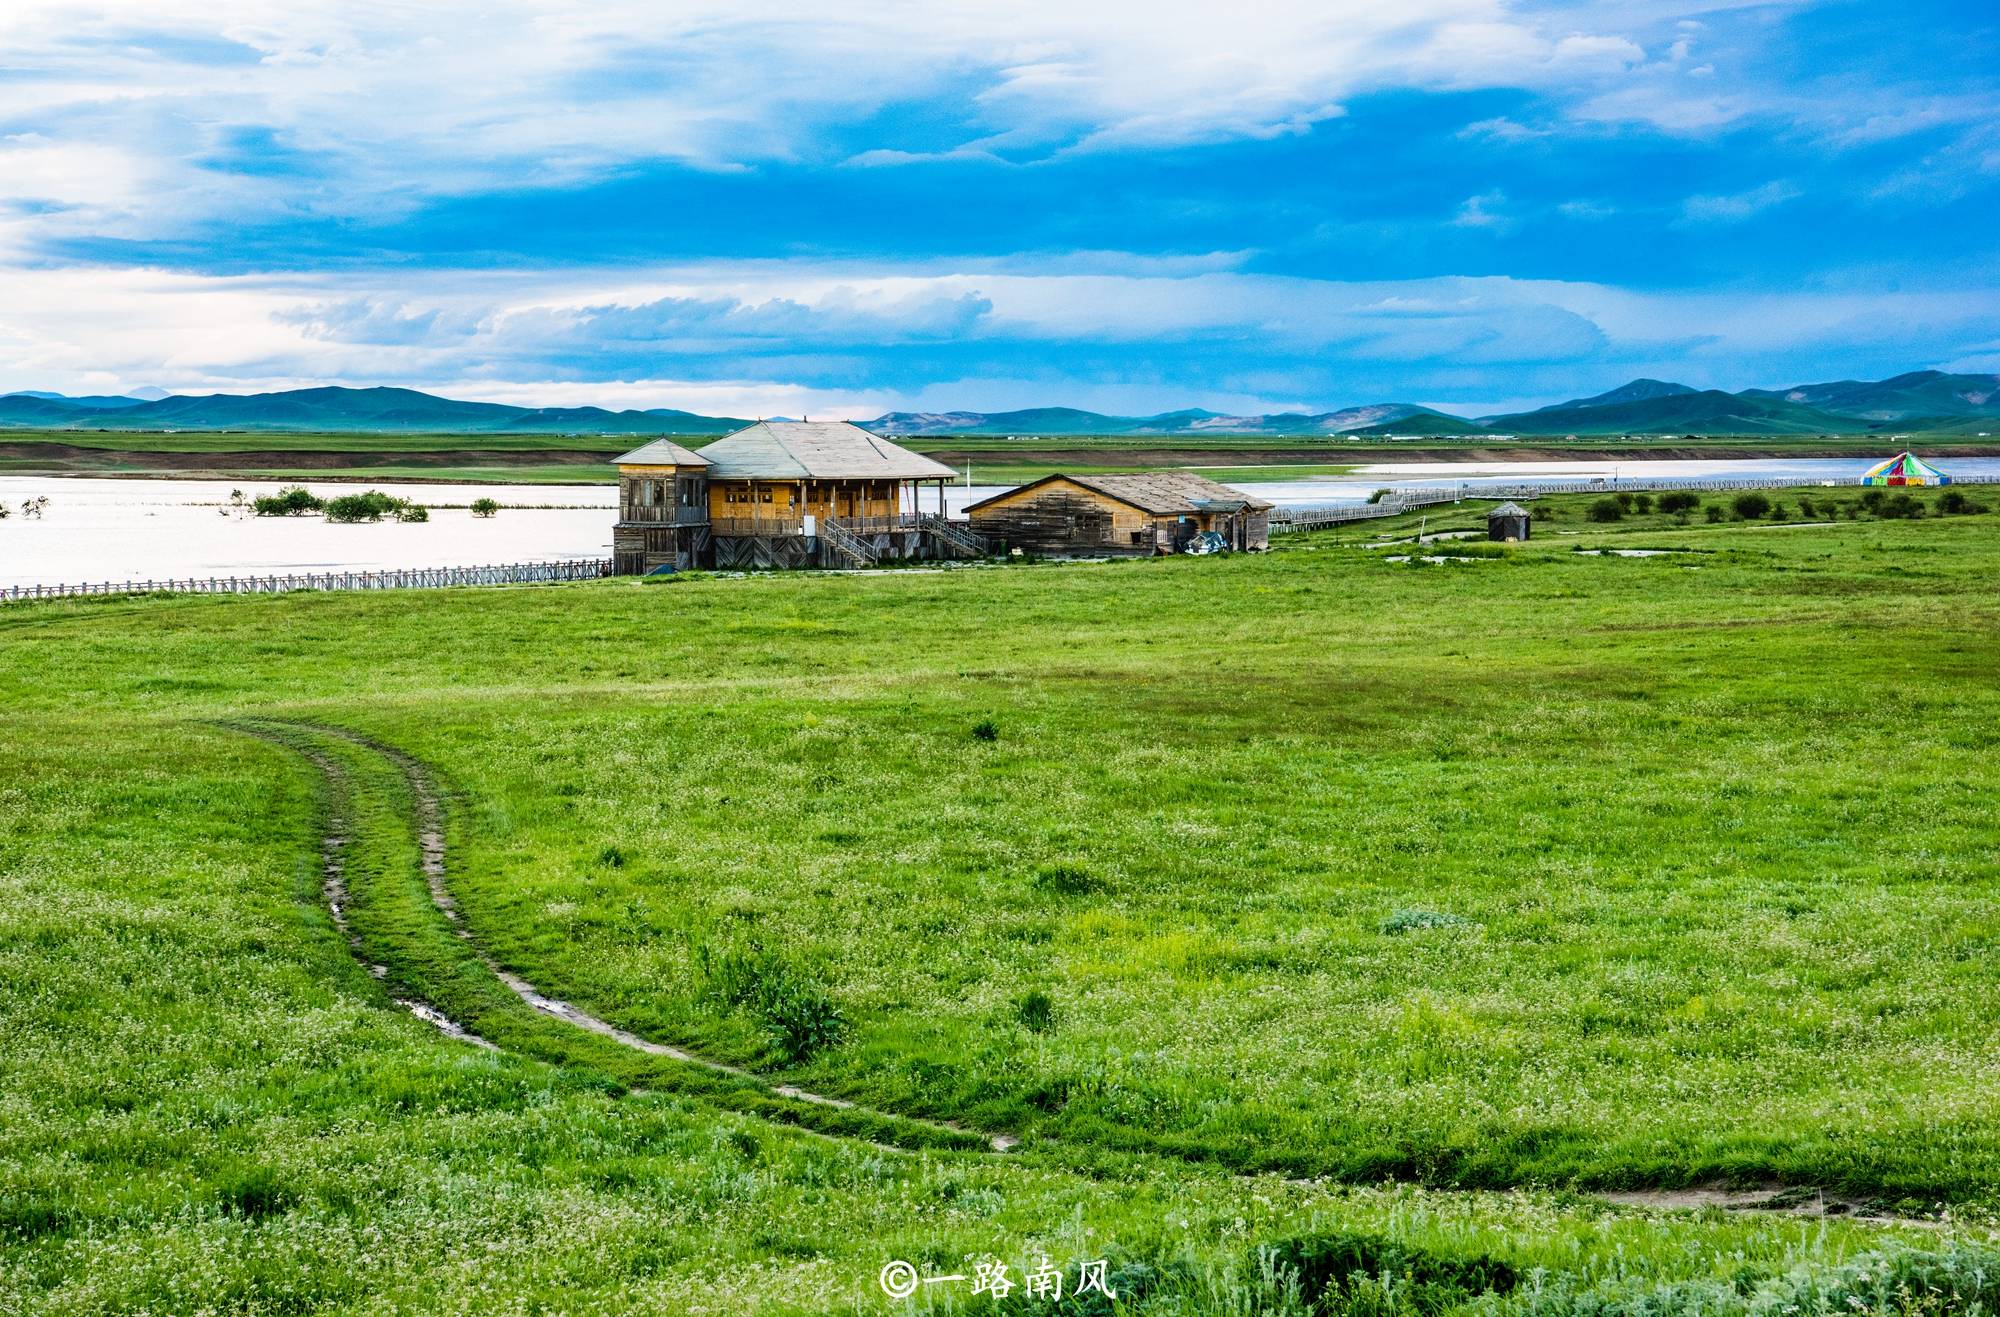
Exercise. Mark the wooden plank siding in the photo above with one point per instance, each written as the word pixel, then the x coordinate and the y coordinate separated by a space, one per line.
pixel 1059 516
pixel 662 519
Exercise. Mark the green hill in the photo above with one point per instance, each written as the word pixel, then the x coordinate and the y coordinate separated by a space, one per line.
pixel 1707 411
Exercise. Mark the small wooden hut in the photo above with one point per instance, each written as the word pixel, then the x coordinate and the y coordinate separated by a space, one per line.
pixel 1509 521
pixel 1152 513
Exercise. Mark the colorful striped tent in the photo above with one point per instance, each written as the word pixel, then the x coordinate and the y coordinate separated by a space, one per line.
pixel 1905 469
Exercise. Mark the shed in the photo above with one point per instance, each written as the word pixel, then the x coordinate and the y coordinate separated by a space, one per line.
pixel 1509 521
pixel 1150 513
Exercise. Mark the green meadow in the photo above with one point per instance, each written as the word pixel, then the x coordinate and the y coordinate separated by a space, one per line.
pixel 1318 932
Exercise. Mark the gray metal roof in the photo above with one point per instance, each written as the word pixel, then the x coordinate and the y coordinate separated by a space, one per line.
pixel 815 450
pixel 662 452
pixel 1507 510
pixel 1159 492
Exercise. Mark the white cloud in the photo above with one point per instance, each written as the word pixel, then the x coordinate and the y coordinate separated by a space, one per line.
pixel 391 103
pixel 1482 212
pixel 1732 208
pixel 654 340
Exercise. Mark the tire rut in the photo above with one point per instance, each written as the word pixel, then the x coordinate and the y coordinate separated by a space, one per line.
pixel 333 886
pixel 428 803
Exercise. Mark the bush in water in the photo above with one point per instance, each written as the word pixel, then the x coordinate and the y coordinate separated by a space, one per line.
pixel 292 501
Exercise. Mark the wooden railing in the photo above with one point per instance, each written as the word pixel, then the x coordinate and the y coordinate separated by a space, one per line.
pixel 411 578
pixel 846 544
pixel 790 524
pixel 664 514
pixel 957 534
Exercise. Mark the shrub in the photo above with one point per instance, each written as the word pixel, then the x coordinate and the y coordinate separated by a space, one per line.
pixel 485 507
pixel 1679 500
pixel 413 512
pixel 1067 880
pixel 1751 506
pixel 1642 502
pixel 1777 512
pixel 293 501
pixel 1957 503
pixel 1542 512
pixel 1899 506
pixel 1806 508
pixel 800 1018
pixel 254 1193
pixel 985 730
pixel 1606 509
pixel 1871 499
pixel 371 506
pixel 1335 1266
pixel 1036 1012
pixel 1624 501
pixel 1715 513
pixel 1379 495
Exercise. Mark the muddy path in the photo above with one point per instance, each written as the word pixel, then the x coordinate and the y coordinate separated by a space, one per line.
pixel 428 808
pixel 339 801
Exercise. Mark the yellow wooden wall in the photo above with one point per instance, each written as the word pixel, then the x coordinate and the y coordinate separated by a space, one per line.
pixel 872 498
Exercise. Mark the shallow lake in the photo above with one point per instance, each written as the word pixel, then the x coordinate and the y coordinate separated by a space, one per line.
pixel 101 529
pixel 95 529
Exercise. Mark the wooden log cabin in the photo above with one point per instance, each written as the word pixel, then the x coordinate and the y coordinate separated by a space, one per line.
pixel 1156 512
pixel 783 494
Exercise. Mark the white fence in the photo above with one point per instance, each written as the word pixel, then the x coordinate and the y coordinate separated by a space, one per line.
pixel 1397 500
pixel 410 578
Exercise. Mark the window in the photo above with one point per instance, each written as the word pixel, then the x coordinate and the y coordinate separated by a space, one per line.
pixel 767 496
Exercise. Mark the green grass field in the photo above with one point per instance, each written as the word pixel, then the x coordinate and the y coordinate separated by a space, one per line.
pixel 1327 929
pixel 587 458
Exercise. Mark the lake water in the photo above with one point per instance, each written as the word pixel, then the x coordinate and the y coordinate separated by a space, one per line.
pixel 96 529
pixel 99 529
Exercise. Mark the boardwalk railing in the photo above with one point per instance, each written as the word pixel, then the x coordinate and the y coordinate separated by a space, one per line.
pixel 411 578
pixel 1396 500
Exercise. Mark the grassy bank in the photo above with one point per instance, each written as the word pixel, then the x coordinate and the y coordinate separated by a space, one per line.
pixel 538 458
pixel 1233 887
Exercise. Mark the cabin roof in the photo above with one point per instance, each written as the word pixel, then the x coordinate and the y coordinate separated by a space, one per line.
pixel 1158 493
pixel 1507 510
pixel 662 452
pixel 811 450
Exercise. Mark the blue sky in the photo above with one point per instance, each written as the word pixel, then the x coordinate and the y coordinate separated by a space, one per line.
pixel 759 208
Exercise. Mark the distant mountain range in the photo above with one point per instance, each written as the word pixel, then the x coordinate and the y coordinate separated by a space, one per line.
pixel 1926 400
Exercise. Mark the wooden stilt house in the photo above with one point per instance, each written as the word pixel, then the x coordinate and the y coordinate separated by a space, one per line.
pixel 786 494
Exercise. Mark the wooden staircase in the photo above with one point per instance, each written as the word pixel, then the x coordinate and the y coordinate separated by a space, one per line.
pixel 845 547
pixel 957 541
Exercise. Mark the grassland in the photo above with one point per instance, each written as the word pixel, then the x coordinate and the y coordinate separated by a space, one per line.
pixel 1233 889
pixel 587 458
